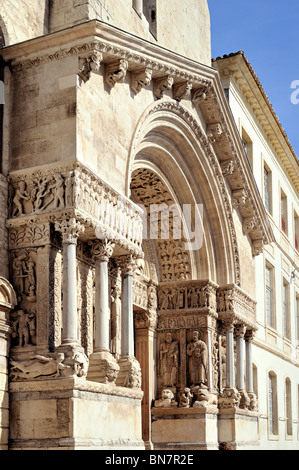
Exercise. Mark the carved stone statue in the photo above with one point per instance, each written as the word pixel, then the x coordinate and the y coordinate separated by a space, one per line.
pixel 185 398
pixel 198 358
pixel 20 196
pixel 168 360
pixel 23 328
pixel 38 366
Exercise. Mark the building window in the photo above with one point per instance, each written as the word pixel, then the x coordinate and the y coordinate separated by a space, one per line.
pixel 288 398
pixel 272 403
pixel 150 12
pixel 296 231
pixel 268 189
pixel 284 212
pixel 269 278
pixel 286 309
pixel 247 146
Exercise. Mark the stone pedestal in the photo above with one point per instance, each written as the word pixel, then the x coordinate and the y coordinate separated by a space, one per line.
pixel 239 429
pixel 184 429
pixel 74 414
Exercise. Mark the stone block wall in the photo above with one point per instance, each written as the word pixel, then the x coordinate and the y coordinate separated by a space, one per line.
pixel 24 20
pixel 43 114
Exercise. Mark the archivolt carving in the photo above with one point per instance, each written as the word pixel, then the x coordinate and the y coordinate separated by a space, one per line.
pixel 183 113
pixel 174 261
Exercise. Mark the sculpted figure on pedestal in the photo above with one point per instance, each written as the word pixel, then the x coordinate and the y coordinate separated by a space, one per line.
pixel 168 360
pixel 23 328
pixel 20 196
pixel 198 359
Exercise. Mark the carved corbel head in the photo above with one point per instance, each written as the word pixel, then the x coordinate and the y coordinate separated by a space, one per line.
pixel 140 80
pixel 257 247
pixel 199 96
pixel 239 198
pixel 116 72
pixel 182 91
pixel 214 132
pixel 90 64
pixel 163 84
pixel 227 167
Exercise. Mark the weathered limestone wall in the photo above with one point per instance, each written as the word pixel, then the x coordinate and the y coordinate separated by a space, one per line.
pixel 247 261
pixel 24 19
pixel 43 111
pixel 182 26
pixel 70 419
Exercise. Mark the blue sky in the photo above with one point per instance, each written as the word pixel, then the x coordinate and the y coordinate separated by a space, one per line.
pixel 268 32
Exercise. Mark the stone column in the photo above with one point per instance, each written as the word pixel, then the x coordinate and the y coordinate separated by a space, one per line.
pixel 230 365
pixel 102 365
pixel 210 364
pixel 240 332
pixel 252 405
pixel 130 373
pixel 145 334
pixel 249 372
pixel 70 230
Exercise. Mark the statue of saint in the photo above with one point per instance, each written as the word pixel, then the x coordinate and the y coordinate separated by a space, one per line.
pixel 198 358
pixel 168 360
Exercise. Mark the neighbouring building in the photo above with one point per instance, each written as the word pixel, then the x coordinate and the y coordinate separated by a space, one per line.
pixel 149 235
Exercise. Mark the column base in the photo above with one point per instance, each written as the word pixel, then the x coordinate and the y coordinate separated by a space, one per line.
pixel 103 368
pixel 130 373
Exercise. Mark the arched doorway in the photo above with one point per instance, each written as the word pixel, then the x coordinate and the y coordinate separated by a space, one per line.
pixel 172 165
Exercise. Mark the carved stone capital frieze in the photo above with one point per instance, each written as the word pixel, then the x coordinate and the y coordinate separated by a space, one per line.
pixel 70 230
pixel 102 249
pixel 240 330
pixel 233 304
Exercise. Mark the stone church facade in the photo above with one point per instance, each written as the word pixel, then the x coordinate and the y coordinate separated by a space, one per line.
pixel 132 230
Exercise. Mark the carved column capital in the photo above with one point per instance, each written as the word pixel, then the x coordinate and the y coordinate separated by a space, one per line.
pixel 228 323
pixel 129 264
pixel 70 230
pixel 102 249
pixel 240 330
pixel 249 335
